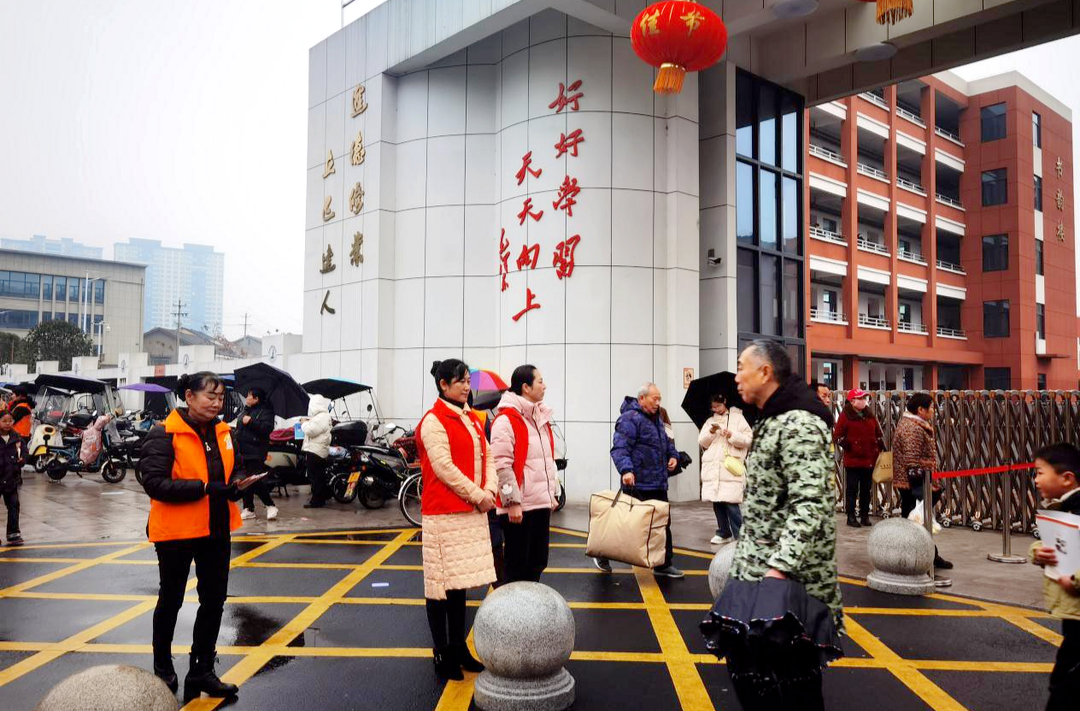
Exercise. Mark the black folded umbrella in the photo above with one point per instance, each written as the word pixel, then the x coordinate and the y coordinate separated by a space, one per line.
pixel 283 393
pixel 697 403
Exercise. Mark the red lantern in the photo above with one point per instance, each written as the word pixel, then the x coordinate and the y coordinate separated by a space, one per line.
pixel 678 36
pixel 889 12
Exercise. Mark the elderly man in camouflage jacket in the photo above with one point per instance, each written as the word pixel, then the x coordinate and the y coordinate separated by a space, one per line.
pixel 789 529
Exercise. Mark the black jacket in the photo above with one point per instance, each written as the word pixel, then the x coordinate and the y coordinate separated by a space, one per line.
pixel 12 456
pixel 795 395
pixel 156 462
pixel 253 439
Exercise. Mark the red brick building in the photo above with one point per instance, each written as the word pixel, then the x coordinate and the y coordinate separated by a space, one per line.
pixel 940 237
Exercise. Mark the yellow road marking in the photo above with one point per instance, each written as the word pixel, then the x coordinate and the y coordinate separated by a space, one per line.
pixel 57 574
pixel 903 669
pixel 688 684
pixel 457 695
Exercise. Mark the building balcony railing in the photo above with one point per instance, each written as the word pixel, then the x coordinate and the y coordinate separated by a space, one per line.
pixel 827 316
pixel 873 172
pixel 957 333
pixel 826 236
pixel 947 134
pixel 950 267
pixel 868 246
pixel 913 117
pixel 912 327
pixel 873 322
pixel 908 185
pixel 828 155
pixel 911 256
pixel 949 201
pixel 875 99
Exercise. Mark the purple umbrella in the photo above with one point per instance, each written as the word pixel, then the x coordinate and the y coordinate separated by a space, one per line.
pixel 145 388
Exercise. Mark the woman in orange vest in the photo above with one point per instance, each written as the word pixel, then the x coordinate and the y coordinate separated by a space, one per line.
pixel 459 490
pixel 187 464
pixel 22 409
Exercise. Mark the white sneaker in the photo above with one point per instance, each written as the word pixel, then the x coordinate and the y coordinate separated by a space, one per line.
pixel 271 513
pixel 718 541
pixel 247 513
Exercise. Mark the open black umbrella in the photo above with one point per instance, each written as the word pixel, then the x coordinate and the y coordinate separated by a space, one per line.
pixel 697 403
pixel 282 392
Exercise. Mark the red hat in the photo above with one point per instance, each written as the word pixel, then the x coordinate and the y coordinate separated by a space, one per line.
pixel 856 393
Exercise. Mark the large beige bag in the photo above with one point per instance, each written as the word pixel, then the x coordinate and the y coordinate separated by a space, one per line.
pixel 883 468
pixel 625 529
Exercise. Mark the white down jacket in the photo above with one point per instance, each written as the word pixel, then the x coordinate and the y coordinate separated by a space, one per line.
pixel 317 427
pixel 717 483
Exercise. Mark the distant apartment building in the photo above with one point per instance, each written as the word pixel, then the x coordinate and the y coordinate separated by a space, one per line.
pixel 104 299
pixel 941 238
pixel 193 276
pixel 40 244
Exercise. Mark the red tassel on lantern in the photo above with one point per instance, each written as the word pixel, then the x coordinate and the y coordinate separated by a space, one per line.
pixel 678 36
pixel 889 12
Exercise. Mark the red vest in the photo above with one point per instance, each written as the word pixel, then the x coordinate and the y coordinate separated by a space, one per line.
pixel 180 521
pixel 521 445
pixel 438 498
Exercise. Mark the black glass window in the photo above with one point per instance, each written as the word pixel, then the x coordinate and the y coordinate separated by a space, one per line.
pixel 791 300
pixel 61 289
pixel 1041 379
pixel 996 319
pixel 1040 321
pixel 767 210
pixel 770 295
pixel 997 378
pixel 744 203
pixel 747 297
pixel 995 187
pixel 18 319
pixel 948 313
pixel 993 122
pixel 790 131
pixel 952 377
pixel 1038 193
pixel 995 253
pixel 46 287
pixel 73 289
pixel 20 285
pixel 766 123
pixel 99 291
pixel 744 116
pixel 791 216
pixel 1036 129
pixel 1039 268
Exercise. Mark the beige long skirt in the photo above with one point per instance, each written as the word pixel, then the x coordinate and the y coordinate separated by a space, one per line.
pixel 457 553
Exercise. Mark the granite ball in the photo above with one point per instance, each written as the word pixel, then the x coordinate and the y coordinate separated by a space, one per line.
pixel 524 630
pixel 902 553
pixel 111 687
pixel 719 569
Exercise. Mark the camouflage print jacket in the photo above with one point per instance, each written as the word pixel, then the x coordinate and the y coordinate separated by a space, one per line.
pixel 788 518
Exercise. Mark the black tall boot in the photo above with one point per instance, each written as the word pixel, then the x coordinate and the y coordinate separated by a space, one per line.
pixel 202 679
pixel 446 664
pixel 466 660
pixel 164 670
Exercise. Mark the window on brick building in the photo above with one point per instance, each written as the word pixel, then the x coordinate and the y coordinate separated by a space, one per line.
pixel 997 378
pixel 993 122
pixel 1038 193
pixel 1039 268
pixel 995 187
pixel 995 256
pixel 996 319
pixel 1036 129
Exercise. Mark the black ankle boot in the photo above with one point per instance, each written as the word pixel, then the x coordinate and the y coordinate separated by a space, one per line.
pixel 163 669
pixel 201 679
pixel 865 520
pixel 852 521
pixel 466 660
pixel 446 665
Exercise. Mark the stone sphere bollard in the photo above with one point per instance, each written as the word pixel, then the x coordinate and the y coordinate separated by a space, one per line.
pixel 524 633
pixel 901 553
pixel 719 569
pixel 111 687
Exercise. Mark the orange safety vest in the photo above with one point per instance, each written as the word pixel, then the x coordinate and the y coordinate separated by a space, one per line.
pixel 23 426
pixel 180 521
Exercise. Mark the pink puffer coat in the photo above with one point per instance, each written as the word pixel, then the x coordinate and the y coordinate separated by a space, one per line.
pixel 539 489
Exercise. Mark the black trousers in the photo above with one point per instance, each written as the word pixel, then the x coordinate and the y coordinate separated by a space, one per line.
pixel 261 489
pixel 775 683
pixel 909 496
pixel 316 471
pixel 526 545
pixel 11 500
pixel 446 618
pixel 1065 679
pixel 656 495
pixel 860 485
pixel 211 556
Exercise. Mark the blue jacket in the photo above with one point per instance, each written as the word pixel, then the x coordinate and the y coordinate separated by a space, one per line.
pixel 641 446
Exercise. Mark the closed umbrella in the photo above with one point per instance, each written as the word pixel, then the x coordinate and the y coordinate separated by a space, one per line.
pixel 283 393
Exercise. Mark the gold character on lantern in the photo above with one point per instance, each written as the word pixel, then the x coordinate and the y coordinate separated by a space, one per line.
pixel 327 212
pixel 329 169
pixel 356 199
pixel 693 20
pixel 359 106
pixel 358 152
pixel 648 23
pixel 356 255
pixel 328 261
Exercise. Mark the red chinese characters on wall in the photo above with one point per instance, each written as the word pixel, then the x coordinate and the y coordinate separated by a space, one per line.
pixel 563 257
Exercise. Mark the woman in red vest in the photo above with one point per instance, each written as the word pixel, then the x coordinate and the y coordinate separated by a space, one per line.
pixel 187 464
pixel 459 490
pixel 524 449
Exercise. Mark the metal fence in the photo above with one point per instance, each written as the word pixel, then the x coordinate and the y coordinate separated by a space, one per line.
pixel 977 429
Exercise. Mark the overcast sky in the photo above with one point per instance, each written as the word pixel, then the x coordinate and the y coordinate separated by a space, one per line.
pixel 186 121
